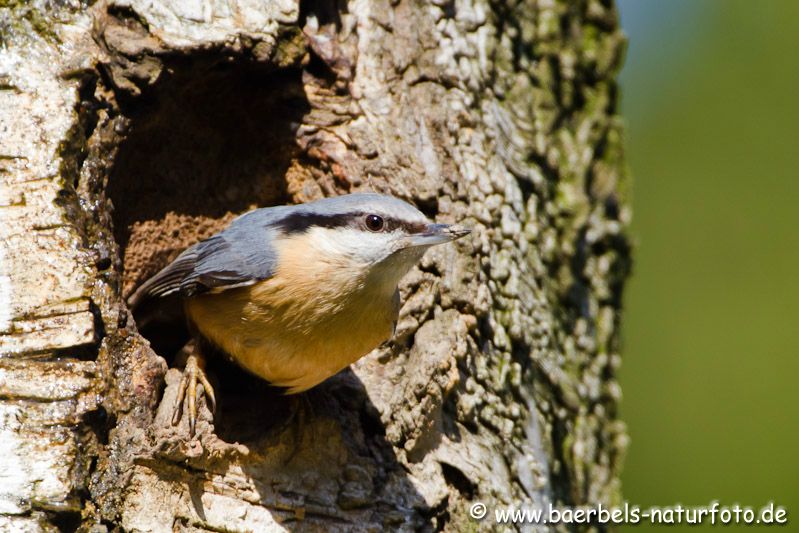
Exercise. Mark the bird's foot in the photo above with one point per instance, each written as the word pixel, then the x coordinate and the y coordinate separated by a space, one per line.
pixel 296 421
pixel 193 373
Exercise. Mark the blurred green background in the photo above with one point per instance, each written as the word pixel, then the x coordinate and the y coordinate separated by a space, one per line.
pixel 710 93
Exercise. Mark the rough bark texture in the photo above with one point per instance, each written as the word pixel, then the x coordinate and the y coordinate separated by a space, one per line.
pixel 132 128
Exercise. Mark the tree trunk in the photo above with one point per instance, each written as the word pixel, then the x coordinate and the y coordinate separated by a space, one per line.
pixel 133 128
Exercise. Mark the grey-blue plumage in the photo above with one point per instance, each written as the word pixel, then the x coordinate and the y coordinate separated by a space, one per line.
pixel 244 254
pixel 240 255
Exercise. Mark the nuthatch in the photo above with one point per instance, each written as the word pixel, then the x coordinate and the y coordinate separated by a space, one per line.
pixel 294 294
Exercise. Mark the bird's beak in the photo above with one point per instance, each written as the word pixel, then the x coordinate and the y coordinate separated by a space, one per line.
pixel 438 234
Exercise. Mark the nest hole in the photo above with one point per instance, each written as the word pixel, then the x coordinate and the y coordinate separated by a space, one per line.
pixel 207 144
pixel 211 141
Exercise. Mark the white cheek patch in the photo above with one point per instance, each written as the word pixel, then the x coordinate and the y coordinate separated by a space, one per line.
pixel 353 244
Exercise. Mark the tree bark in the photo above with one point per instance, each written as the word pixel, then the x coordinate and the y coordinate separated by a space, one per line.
pixel 133 128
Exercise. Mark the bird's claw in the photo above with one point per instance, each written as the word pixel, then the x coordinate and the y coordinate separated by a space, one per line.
pixel 192 373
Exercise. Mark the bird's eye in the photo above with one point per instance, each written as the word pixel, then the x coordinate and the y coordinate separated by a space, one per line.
pixel 374 222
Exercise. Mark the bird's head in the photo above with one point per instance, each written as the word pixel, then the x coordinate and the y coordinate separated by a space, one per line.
pixel 374 233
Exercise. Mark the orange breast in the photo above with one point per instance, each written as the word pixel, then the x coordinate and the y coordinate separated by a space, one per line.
pixel 313 318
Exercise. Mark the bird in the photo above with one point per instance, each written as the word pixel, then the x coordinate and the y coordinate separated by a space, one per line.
pixel 295 293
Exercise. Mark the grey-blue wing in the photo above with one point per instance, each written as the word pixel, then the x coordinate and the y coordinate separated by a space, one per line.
pixel 241 255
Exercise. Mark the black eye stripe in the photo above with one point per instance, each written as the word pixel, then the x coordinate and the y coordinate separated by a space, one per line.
pixel 301 222
pixel 413 227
